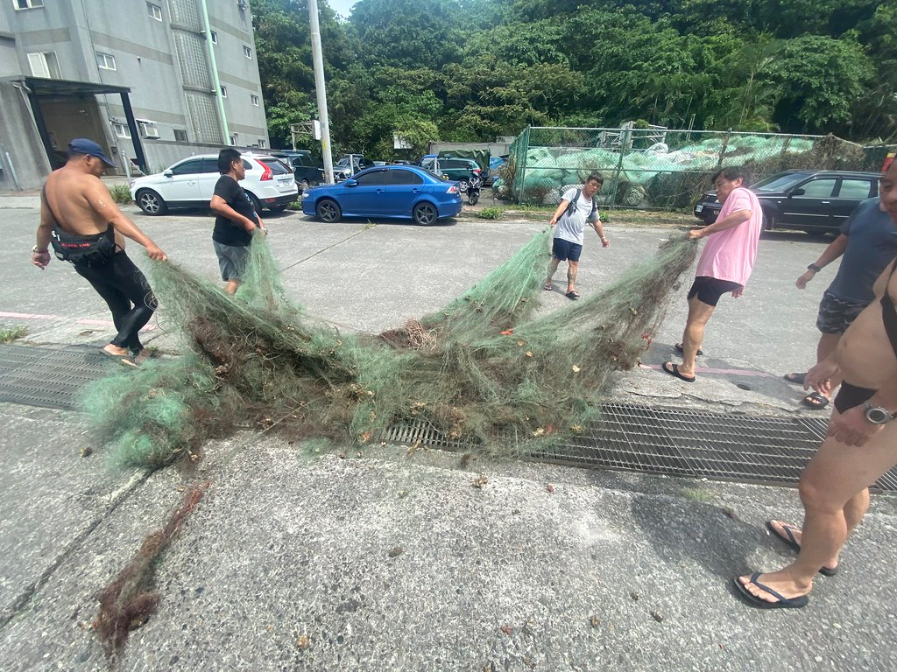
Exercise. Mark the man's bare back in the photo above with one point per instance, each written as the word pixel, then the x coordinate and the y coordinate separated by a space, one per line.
pixel 76 201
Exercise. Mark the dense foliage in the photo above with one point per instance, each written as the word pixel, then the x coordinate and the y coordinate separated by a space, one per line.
pixel 471 70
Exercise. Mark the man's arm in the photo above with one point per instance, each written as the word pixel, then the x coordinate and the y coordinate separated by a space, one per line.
pixel 100 200
pixel 40 254
pixel 829 254
pixel 220 206
pixel 561 209
pixel 599 229
pixel 729 222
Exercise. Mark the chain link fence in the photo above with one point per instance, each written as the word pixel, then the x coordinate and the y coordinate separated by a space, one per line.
pixel 660 168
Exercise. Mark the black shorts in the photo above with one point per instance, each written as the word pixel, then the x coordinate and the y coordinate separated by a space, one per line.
pixel 708 290
pixel 851 396
pixel 564 250
pixel 836 314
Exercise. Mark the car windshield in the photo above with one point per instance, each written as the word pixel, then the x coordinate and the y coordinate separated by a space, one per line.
pixel 777 182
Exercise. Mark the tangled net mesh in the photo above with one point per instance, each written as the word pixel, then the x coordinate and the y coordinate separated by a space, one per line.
pixel 482 369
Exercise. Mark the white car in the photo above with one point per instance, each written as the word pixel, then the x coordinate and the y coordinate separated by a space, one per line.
pixel 190 184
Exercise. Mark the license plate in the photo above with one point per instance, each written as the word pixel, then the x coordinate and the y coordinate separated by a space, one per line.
pixel 699 208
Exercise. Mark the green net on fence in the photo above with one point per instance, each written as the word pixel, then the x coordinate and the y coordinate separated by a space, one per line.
pixel 483 369
pixel 663 168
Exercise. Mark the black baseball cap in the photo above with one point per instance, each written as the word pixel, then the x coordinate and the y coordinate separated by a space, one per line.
pixel 89 148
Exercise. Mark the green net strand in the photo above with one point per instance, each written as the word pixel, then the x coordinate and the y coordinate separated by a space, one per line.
pixel 486 369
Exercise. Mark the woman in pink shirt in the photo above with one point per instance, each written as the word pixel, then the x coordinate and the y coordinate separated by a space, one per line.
pixel 725 264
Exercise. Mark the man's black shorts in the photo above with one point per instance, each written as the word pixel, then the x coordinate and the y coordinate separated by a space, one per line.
pixel 564 250
pixel 708 290
pixel 836 314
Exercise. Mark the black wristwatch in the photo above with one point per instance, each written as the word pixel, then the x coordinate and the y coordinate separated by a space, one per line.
pixel 814 268
pixel 877 415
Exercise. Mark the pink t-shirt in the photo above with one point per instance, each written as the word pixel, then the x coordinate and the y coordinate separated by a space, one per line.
pixel 730 254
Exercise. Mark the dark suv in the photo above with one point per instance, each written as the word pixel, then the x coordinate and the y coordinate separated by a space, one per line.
pixel 457 170
pixel 308 172
pixel 816 201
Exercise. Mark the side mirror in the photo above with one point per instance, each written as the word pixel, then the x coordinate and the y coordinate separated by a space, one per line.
pixel 797 192
pixel 168 173
pixel 351 183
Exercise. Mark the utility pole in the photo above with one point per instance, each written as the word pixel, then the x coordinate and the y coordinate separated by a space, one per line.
pixel 318 61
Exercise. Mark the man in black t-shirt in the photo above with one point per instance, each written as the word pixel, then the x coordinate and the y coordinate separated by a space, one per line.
pixel 236 220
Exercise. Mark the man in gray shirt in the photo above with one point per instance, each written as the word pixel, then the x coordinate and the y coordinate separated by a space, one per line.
pixel 868 242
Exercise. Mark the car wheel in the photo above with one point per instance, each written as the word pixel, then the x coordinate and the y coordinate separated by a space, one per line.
pixel 463 186
pixel 151 203
pixel 277 208
pixel 328 211
pixel 769 222
pixel 256 203
pixel 425 214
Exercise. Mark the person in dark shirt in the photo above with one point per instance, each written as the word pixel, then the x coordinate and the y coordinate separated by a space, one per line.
pixel 868 242
pixel 236 220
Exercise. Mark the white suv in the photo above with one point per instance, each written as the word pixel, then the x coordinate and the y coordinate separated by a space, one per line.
pixel 190 184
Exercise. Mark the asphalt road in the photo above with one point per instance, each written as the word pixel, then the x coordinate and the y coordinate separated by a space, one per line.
pixel 391 561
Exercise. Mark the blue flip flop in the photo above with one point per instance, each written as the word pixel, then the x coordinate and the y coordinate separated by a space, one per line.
pixel 783 602
pixel 792 542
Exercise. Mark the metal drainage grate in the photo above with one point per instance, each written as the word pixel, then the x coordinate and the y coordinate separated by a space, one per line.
pixel 725 446
pixel 49 377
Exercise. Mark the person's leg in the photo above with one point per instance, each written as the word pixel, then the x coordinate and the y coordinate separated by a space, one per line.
pixel 698 315
pixel 832 487
pixel 232 286
pixel 104 283
pixel 572 270
pixel 132 284
pixel 557 255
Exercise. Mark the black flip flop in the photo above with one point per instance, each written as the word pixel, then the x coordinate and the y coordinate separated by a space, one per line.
pixel 795 378
pixel 572 295
pixel 681 350
pixel 754 601
pixel 674 371
pixel 792 542
pixel 819 401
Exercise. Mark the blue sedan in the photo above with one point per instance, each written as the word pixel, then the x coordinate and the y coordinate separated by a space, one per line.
pixel 386 191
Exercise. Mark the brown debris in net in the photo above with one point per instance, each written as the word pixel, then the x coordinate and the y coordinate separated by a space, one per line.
pixel 130 600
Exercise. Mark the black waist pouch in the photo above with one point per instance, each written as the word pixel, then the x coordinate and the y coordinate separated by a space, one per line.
pixel 94 250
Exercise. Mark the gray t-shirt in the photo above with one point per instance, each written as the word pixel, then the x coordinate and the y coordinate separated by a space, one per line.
pixel 871 246
pixel 570 227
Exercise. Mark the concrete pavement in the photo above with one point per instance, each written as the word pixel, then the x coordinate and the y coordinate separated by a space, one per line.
pixel 299 559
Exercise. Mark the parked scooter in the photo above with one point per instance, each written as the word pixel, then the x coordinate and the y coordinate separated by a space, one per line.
pixel 473 188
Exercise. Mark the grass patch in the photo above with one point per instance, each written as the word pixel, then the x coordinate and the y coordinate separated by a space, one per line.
pixel 489 213
pixel 697 495
pixel 296 206
pixel 14 334
pixel 121 194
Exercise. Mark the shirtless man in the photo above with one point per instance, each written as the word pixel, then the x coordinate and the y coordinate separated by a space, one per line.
pixel 77 203
pixel 861 444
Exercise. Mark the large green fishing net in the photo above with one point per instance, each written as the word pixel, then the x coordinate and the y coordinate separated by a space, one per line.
pixel 486 369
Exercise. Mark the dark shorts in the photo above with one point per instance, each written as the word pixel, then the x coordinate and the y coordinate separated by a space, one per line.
pixel 836 314
pixel 851 396
pixel 564 250
pixel 231 260
pixel 708 290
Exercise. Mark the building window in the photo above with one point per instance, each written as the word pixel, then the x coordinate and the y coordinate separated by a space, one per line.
pixel 213 36
pixel 27 4
pixel 105 61
pixel 255 100
pixel 180 135
pixel 261 143
pixel 121 130
pixel 223 91
pixel 247 52
pixel 154 11
pixel 148 129
pixel 44 65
